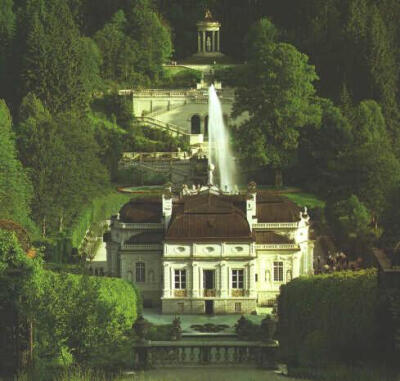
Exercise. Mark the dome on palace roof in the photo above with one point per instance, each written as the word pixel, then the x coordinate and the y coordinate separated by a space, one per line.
pixel 209 217
pixel 141 210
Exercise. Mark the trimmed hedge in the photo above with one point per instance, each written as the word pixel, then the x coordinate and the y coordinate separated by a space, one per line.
pixel 329 317
pixel 99 209
pixel 59 249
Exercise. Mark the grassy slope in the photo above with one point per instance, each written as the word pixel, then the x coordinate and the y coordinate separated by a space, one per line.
pixel 305 199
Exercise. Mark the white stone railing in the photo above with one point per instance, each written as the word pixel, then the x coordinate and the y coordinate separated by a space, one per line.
pixel 141 246
pixel 140 226
pixel 276 225
pixel 284 246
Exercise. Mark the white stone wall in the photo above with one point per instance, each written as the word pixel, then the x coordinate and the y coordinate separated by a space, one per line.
pixel 221 257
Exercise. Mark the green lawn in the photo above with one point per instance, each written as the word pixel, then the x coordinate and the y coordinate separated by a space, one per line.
pixel 207 374
pixel 305 199
pixel 171 71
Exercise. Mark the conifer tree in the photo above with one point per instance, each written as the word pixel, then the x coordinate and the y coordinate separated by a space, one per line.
pixel 15 188
pixel 52 64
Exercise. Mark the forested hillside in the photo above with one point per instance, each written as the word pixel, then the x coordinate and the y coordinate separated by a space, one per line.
pixel 336 134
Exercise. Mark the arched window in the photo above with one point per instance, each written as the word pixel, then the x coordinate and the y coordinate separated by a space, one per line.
pixel 206 126
pixel 195 124
pixel 140 272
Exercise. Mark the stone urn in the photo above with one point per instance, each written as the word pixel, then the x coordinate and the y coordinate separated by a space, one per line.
pixel 241 327
pixel 176 330
pixel 141 327
pixel 268 328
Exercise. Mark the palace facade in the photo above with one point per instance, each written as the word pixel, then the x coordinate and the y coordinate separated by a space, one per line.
pixel 204 251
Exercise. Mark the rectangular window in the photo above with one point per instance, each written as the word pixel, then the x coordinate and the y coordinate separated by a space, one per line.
pixel 278 271
pixel 256 277
pixel 140 272
pixel 238 307
pixel 237 279
pixel 180 279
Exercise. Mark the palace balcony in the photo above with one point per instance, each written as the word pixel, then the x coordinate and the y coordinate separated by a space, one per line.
pixel 209 293
pixel 237 293
pixel 180 293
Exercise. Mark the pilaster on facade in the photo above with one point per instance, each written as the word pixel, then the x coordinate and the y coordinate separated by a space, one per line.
pixel 195 277
pixel 224 280
pixel 166 285
pixel 252 279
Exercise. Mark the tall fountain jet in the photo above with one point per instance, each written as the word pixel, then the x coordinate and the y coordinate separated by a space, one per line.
pixel 219 143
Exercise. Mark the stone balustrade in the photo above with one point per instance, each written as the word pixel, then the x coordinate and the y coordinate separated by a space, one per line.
pixel 283 246
pixel 164 354
pixel 275 225
pixel 141 246
pixel 139 226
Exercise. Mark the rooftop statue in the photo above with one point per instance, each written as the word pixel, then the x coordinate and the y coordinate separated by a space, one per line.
pixel 208 15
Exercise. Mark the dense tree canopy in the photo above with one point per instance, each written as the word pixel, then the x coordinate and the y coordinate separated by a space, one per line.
pixel 61 155
pixel 278 95
pixel 15 187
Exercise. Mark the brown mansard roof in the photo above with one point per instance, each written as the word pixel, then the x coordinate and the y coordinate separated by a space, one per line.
pixel 146 237
pixel 141 210
pixel 273 208
pixel 270 237
pixel 225 209
pixel 208 217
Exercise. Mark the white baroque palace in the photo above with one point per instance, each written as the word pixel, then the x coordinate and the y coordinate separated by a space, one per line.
pixel 209 252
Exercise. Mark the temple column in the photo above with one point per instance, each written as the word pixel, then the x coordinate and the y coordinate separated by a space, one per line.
pixel 198 42
pixel 218 41
pixel 213 41
pixel 204 41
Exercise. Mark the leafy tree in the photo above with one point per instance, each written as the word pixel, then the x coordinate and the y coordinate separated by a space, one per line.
pixel 7 32
pixel 371 169
pixel 261 35
pixel 15 187
pixel 53 64
pixel 279 99
pixel 91 65
pixel 110 40
pixel 321 150
pixel 62 156
pixel 153 38
pixel 350 221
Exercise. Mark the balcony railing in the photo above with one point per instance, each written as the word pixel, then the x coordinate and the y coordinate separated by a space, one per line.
pixel 237 293
pixel 275 225
pixel 283 246
pixel 180 293
pixel 209 293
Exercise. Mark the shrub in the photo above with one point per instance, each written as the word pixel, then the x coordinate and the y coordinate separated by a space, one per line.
pixel 329 317
pixel 83 319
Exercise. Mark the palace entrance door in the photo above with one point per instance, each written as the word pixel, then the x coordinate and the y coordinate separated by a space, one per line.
pixel 209 290
pixel 209 282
